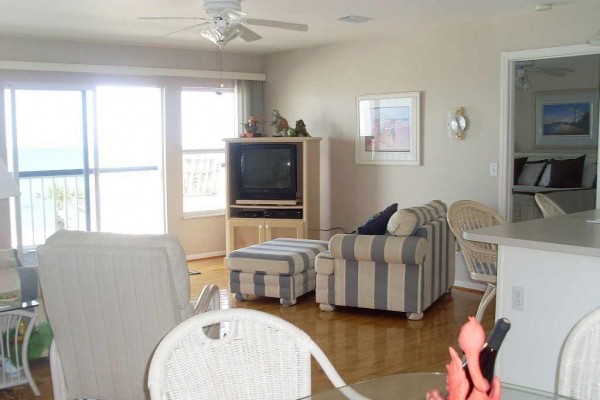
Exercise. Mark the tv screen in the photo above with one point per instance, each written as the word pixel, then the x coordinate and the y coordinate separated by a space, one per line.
pixel 267 171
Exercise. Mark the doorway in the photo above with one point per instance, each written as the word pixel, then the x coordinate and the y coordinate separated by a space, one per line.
pixel 509 62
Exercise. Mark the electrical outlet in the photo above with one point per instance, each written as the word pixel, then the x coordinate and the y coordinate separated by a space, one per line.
pixel 493 169
pixel 518 298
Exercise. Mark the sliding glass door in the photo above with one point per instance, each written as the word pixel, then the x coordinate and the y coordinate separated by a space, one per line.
pixel 87 159
pixel 129 159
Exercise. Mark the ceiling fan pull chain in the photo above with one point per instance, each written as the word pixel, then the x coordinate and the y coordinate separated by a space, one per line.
pixel 220 62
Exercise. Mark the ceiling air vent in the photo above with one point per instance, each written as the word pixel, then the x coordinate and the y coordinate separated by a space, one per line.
pixel 354 19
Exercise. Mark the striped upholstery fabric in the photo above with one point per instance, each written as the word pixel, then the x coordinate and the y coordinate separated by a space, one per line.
pixel 281 268
pixel 388 272
pixel 278 286
pixel 406 221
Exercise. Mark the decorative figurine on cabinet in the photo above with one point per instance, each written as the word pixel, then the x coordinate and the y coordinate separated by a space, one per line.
pixel 281 124
pixel 252 127
pixel 301 129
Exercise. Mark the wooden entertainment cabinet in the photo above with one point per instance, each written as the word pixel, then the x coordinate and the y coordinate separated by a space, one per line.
pixel 257 221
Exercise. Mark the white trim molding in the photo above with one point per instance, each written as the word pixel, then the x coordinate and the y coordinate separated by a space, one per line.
pixel 126 70
pixel 198 256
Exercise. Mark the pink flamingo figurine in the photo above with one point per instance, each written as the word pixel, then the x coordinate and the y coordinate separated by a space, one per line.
pixel 470 340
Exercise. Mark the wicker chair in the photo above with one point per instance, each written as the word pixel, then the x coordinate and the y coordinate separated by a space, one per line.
pixel 579 371
pixel 110 299
pixel 547 206
pixel 259 356
pixel 481 259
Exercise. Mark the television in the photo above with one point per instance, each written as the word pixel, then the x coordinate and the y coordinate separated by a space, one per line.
pixel 266 171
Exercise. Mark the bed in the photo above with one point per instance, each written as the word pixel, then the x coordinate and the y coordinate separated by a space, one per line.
pixel 570 199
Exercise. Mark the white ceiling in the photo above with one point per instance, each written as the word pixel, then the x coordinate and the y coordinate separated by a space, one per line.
pixel 116 21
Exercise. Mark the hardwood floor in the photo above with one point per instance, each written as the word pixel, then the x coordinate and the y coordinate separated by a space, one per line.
pixel 360 343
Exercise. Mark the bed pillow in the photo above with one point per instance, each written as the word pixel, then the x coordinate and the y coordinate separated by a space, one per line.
pixel 519 164
pixel 532 172
pixel 566 173
pixel 377 224
pixel 545 179
pixel 589 175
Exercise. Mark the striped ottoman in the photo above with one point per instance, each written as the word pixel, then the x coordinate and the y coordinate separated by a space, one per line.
pixel 282 268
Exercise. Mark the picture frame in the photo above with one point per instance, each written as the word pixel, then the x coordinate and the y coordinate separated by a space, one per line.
pixel 388 129
pixel 566 119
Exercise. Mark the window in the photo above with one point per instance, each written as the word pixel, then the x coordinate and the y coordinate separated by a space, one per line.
pixel 87 157
pixel 206 119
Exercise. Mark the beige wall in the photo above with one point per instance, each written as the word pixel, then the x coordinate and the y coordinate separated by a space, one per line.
pixel 199 236
pixel 452 65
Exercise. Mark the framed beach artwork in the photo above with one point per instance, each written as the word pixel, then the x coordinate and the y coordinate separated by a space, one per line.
pixel 567 119
pixel 388 129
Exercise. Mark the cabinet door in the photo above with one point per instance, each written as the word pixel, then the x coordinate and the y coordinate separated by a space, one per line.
pixel 245 232
pixel 284 228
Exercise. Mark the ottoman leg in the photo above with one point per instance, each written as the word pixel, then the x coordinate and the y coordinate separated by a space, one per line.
pixel 240 297
pixel 414 316
pixel 287 302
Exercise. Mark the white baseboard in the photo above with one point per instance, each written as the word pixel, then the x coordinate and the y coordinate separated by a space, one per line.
pixel 469 285
pixel 197 256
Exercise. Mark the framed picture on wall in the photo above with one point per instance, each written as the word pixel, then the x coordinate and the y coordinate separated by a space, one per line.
pixel 388 131
pixel 567 118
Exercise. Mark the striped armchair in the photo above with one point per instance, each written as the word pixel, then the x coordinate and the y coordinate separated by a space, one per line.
pixel 388 272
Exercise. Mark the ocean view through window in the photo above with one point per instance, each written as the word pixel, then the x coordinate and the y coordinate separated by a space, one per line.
pixel 87 158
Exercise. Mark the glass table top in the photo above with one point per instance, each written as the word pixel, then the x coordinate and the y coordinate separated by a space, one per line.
pixel 17 305
pixel 413 386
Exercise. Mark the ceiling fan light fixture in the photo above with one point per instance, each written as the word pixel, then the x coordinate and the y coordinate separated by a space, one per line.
pixel 221 36
pixel 354 19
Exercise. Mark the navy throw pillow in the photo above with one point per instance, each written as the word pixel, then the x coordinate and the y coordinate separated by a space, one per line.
pixel 377 224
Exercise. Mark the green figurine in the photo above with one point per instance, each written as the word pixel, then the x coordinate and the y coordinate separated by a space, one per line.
pixel 300 129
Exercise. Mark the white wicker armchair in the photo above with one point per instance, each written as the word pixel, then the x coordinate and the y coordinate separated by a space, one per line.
pixel 110 299
pixel 547 206
pixel 259 356
pixel 481 259
pixel 579 371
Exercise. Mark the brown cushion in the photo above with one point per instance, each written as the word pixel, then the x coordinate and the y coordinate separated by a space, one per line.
pixel 566 173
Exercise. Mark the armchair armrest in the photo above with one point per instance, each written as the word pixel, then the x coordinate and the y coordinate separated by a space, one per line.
pixel 379 248
pixel 209 300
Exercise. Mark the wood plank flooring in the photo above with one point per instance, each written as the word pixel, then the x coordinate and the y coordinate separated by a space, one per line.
pixel 360 343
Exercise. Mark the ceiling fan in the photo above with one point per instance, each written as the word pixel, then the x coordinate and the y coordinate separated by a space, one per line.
pixel 524 68
pixel 224 22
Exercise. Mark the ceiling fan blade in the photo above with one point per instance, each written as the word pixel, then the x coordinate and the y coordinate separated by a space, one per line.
pixel 193 18
pixel 248 34
pixel 276 24
pixel 184 29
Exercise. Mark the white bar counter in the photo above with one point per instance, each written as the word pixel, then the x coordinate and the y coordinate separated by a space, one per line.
pixel 554 263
